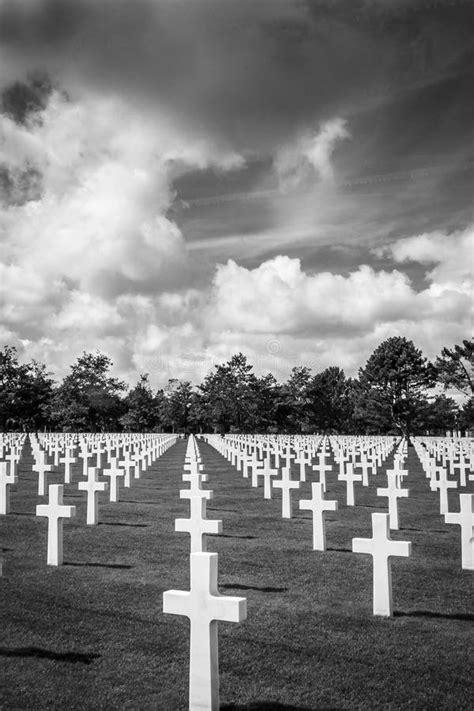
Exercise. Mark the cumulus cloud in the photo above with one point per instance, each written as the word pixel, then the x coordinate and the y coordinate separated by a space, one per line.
pixel 340 318
pixel 93 249
pixel 452 255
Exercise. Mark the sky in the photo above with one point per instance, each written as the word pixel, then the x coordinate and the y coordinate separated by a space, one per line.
pixel 184 180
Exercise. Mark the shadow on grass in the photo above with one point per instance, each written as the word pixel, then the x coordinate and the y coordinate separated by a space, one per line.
pixel 143 503
pixel 211 508
pixel 339 550
pixel 238 586
pixel 263 706
pixel 72 657
pixel 21 513
pixel 119 523
pixel 463 616
pixel 423 530
pixel 118 566
pixel 227 535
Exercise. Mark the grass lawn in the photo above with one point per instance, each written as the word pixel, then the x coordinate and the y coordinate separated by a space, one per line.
pixel 91 634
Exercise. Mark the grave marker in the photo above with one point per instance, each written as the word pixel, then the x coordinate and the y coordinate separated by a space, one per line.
pixel 286 484
pixel 382 549
pixel 465 519
pixel 204 607
pixel 55 511
pixel 318 505
pixel 92 486
pixel 393 492
pixel 113 473
pixel 197 525
pixel 350 477
pixel 6 480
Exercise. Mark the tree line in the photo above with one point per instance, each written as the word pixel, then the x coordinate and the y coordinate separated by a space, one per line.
pixel 397 391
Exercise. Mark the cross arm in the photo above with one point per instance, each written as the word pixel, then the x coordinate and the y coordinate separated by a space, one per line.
pixel 176 602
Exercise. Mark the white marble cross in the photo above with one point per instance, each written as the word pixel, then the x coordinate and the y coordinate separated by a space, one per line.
pixel 365 465
pixel 92 486
pixel 127 463
pixel 465 519
pixel 99 451
pixel 464 467
pixel 393 492
pixel 286 484
pixel 256 469
pixel 42 468
pixel 247 462
pixel 13 458
pixel 195 489
pixel 267 473
pixel 6 480
pixel 381 548
pixel 322 469
pixel 442 484
pixel 56 449
pixel 318 505
pixel 288 456
pixel 55 511
pixel 303 459
pixel 204 607
pixel 400 473
pixel 350 477
pixel 114 473
pixel 194 469
pixel 67 460
pixel 197 525
pixel 85 456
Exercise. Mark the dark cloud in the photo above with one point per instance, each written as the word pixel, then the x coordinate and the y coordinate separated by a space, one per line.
pixel 21 99
pixel 249 72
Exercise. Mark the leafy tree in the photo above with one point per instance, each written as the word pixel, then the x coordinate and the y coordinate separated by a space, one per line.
pixel 25 392
pixel 89 399
pixel 371 412
pixel 466 415
pixel 227 396
pixel 176 405
pixel 396 376
pixel 331 405
pixel 440 414
pixel 262 402
pixel 454 368
pixel 142 408
pixel 295 407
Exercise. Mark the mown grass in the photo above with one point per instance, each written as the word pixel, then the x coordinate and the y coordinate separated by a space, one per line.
pixel 91 634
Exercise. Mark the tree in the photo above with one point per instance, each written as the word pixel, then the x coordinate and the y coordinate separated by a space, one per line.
pixel 397 376
pixel 331 407
pixel 89 399
pixel 262 404
pixel 142 408
pixel 440 414
pixel 295 407
pixel 466 415
pixel 176 404
pixel 227 396
pixel 454 368
pixel 25 392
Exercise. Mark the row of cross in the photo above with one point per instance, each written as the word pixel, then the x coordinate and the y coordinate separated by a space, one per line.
pixel 133 460
pixel 202 604
pixel 350 455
